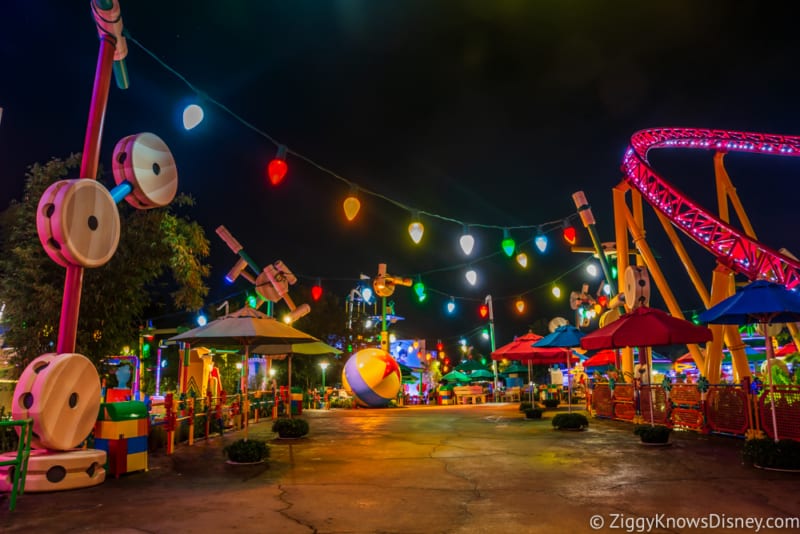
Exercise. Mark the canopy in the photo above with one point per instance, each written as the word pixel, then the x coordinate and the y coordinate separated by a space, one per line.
pixel 603 357
pixel 522 349
pixel 312 348
pixel 481 374
pixel 564 336
pixel 456 376
pixel 645 327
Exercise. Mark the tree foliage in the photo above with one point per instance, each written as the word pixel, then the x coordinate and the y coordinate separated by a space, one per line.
pixel 159 251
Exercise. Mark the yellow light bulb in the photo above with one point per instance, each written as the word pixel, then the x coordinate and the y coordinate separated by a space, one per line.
pixel 522 259
pixel 351 206
pixel 520 304
pixel 557 292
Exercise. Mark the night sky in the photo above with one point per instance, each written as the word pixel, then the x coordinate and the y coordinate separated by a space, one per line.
pixel 483 112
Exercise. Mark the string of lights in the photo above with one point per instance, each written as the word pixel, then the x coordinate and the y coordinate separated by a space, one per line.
pixel 277 169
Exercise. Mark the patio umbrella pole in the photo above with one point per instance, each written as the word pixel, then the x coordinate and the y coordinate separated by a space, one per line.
pixel 770 355
pixel 569 384
pixel 649 380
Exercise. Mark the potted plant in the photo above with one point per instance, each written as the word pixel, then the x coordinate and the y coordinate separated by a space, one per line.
pixel 246 451
pixel 290 428
pixel 533 413
pixel 653 434
pixel 570 421
pixel 551 403
pixel 766 453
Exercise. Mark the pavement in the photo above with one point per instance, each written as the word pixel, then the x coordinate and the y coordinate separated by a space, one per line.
pixel 429 469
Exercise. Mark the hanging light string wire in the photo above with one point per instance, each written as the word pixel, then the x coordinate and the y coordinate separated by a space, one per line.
pixel 206 97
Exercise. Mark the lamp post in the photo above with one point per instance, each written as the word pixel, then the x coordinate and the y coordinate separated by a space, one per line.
pixel 324 366
pixel 488 302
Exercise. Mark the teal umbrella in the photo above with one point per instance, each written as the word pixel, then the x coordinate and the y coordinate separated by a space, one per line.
pixel 481 374
pixel 456 376
pixel 468 366
pixel 514 368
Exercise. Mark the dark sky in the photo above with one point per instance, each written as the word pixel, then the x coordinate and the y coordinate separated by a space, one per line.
pixel 489 112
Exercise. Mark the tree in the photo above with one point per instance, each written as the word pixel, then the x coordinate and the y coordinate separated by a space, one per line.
pixel 159 251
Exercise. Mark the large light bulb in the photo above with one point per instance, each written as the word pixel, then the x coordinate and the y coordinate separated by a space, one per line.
pixel 522 259
pixel 351 206
pixel 471 277
pixel 508 244
pixel 556 292
pixel 520 304
pixel 415 230
pixel 466 241
pixel 192 116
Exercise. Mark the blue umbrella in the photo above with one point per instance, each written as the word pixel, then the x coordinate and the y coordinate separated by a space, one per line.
pixel 565 336
pixel 758 302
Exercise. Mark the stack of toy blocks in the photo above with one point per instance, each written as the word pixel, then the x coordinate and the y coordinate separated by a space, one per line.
pixel 121 430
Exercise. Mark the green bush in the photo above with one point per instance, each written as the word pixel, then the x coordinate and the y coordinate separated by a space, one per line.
pixel 551 403
pixel 290 428
pixel 570 421
pixel 525 406
pixel 533 413
pixel 765 452
pixel 652 433
pixel 247 451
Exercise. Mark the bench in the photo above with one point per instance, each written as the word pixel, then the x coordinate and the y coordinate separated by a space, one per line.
pixel 511 395
pixel 469 394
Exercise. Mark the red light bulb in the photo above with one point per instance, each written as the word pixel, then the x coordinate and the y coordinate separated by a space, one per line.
pixel 316 292
pixel 483 311
pixel 570 235
pixel 276 170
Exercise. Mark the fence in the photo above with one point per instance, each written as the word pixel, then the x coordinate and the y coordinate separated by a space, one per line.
pixel 729 409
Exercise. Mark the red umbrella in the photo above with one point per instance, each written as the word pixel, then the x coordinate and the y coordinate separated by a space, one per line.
pixel 645 327
pixel 604 357
pixel 521 350
pixel 789 348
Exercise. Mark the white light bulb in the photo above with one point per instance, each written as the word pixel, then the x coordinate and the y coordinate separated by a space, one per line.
pixel 471 277
pixel 192 116
pixel 591 269
pixel 467 242
pixel 415 230
pixel 522 259
pixel 557 292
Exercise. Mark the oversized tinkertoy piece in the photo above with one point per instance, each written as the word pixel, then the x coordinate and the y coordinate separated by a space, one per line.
pixel 78 223
pixel 144 163
pixel 372 376
pixel 60 470
pixel 272 283
pixel 384 284
pixel 108 19
pixel 61 393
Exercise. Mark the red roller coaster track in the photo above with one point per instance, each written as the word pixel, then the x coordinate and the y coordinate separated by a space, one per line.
pixel 731 247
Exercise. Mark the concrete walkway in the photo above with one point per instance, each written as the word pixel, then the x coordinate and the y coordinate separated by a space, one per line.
pixel 443 469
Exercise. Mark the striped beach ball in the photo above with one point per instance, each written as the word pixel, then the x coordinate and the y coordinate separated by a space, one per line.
pixel 373 377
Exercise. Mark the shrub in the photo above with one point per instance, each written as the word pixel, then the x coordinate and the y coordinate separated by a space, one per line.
pixel 570 421
pixel 247 450
pixel 290 428
pixel 765 452
pixel 551 403
pixel 652 433
pixel 533 413
pixel 525 406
